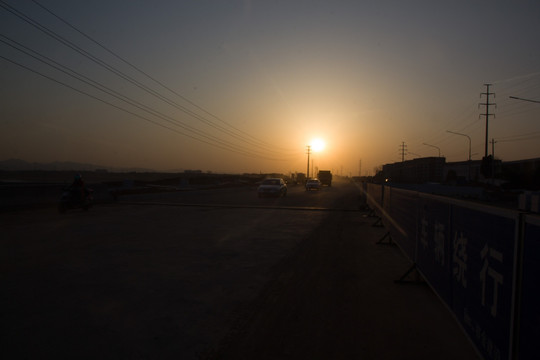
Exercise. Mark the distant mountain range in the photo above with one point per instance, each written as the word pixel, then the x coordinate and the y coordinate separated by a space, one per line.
pixel 21 165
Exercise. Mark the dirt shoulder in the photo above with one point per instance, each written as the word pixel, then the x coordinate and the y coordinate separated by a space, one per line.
pixel 335 298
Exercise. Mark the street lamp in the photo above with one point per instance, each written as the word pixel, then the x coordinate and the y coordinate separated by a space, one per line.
pixel 468 137
pixel 436 147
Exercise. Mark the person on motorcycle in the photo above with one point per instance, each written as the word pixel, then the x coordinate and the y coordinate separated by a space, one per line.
pixel 77 187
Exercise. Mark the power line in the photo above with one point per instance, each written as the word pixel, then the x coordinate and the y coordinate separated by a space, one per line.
pixel 508 138
pixel 143 72
pixel 72 73
pixel 522 86
pixel 521 139
pixel 456 123
pixel 122 75
pixel 130 112
pixel 529 100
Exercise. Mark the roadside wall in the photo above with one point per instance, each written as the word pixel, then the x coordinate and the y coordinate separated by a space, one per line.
pixel 483 262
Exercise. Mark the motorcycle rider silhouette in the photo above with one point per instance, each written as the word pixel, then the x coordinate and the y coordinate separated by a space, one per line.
pixel 77 188
pixel 76 196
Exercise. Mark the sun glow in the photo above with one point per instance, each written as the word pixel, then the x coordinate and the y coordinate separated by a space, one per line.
pixel 317 145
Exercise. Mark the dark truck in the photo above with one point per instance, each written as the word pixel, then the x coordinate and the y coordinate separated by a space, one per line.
pixel 300 179
pixel 325 177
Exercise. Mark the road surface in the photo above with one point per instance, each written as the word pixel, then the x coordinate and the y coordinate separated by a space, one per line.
pixel 214 274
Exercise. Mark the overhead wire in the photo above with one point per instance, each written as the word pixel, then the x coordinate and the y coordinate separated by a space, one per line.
pixel 513 109
pixel 520 139
pixel 522 86
pixel 512 137
pixel 74 74
pixel 103 63
pixel 454 124
pixel 147 75
pixel 94 97
pixel 121 108
pixel 121 74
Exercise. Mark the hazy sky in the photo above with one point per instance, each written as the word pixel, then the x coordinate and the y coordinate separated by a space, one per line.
pixel 244 86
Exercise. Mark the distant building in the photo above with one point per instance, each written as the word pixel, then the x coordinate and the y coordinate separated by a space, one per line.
pixel 461 171
pixel 523 166
pixel 515 174
pixel 416 171
pixel 522 173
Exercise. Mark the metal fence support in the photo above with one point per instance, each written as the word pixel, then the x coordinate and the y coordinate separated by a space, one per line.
pixel 402 279
pixel 386 236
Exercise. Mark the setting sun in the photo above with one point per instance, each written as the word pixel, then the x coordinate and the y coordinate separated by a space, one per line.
pixel 317 145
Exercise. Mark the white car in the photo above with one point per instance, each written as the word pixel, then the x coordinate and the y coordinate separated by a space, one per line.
pixel 272 187
pixel 313 184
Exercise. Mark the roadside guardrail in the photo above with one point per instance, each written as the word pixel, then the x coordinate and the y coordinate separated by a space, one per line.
pixel 482 261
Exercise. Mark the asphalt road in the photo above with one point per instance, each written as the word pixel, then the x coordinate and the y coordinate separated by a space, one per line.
pixel 297 196
pixel 213 274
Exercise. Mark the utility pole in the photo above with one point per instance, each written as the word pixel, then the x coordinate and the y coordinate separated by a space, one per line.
pixel 360 167
pixel 402 150
pixel 308 153
pixel 487 114
pixel 493 160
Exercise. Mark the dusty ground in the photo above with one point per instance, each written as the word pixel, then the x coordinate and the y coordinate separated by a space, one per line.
pixel 160 282
pixel 335 298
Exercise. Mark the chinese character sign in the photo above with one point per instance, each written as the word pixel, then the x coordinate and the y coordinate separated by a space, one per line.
pixel 434 244
pixel 483 259
pixel 530 299
pixel 459 259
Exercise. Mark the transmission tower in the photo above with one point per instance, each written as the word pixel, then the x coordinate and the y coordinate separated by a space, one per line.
pixel 403 150
pixel 487 104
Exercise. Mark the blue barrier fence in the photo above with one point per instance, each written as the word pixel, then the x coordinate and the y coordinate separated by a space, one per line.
pixel 375 193
pixel 529 329
pixel 435 246
pixel 402 210
pixel 482 261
